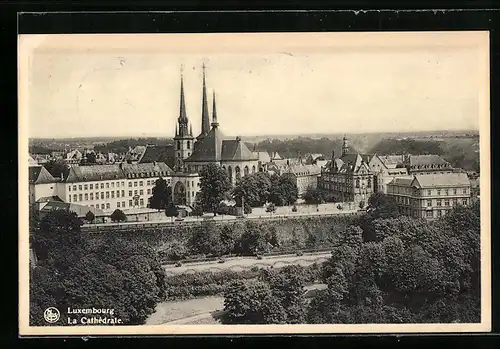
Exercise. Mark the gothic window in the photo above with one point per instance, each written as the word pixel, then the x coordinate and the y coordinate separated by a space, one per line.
pixel 178 145
pixel 189 145
pixel 357 182
pixel 369 184
pixel 230 172
pixel 245 170
pixel 253 169
pixel 238 173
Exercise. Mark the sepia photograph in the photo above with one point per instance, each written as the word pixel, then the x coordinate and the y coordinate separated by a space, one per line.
pixel 254 183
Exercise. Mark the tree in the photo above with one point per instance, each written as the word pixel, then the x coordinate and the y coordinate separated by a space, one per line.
pixel 90 216
pixel 58 238
pixel 162 195
pixel 223 209
pixel 253 188
pixel 252 302
pixel 381 205
pixel 313 195
pixel 57 168
pixel 284 189
pixel 111 272
pixel 118 216
pixel 271 208
pixel 197 210
pixel 214 187
pixel 171 211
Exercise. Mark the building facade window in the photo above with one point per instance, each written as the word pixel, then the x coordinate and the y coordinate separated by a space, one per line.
pixel 74 188
pixel 129 184
pixel 429 203
pixel 123 193
pixel 86 187
pixel 141 192
pixel 112 194
pixel 141 202
pixel 108 205
pixel 75 198
pixel 91 196
pixel 118 204
pixel 141 183
pixel 107 185
pixel 107 195
pixel 102 185
pixel 80 197
pixel 428 213
pixel 79 187
pixel 130 203
pixel 102 195
pixel 86 196
pixel 447 202
pixel 102 206
pixel 135 184
pixel 438 202
pixel 464 202
pixel 91 187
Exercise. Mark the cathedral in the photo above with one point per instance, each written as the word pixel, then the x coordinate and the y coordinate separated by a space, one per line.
pixel 190 154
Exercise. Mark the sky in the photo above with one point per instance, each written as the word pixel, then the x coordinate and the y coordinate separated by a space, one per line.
pixel 100 86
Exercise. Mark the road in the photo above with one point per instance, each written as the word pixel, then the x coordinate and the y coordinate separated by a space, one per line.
pixel 242 263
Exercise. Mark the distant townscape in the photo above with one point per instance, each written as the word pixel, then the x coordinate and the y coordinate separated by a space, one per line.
pixel 309 229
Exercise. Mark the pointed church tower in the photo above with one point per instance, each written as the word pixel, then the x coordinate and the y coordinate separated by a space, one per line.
pixel 215 124
pixel 205 118
pixel 345 147
pixel 183 140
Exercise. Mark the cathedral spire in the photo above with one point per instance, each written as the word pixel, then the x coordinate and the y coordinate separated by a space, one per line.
pixel 181 129
pixel 214 113
pixel 182 108
pixel 205 122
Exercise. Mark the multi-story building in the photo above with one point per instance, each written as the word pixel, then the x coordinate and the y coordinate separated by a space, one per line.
pixel 426 164
pixel 42 185
pixel 306 176
pixel 348 178
pixel 385 169
pixel 109 187
pixel 430 196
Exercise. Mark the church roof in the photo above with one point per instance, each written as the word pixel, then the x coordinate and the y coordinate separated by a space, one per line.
pixel 40 175
pixel 159 154
pixel 209 148
pixel 236 150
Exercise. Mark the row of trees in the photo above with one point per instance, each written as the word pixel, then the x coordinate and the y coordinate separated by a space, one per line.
pixel 253 190
pixel 410 271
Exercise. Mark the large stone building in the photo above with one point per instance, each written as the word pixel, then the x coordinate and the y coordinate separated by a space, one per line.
pixel 348 177
pixel 306 176
pixel 210 147
pixel 430 196
pixel 106 187
pixel 385 169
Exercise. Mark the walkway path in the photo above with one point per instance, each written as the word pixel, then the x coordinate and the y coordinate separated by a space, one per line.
pixel 241 263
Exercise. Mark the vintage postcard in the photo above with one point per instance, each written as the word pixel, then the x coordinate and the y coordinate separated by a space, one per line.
pixel 254 183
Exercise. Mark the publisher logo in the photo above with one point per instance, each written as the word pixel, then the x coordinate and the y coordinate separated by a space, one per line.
pixel 51 315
